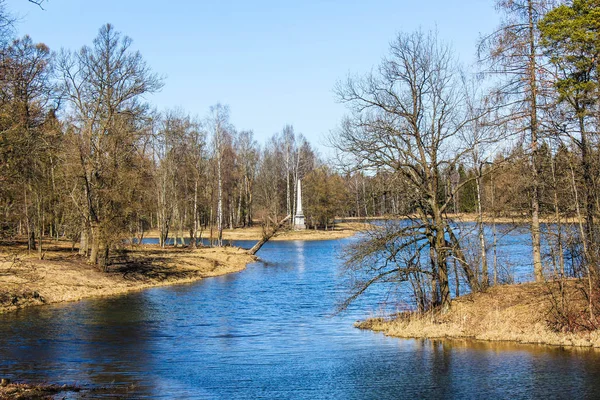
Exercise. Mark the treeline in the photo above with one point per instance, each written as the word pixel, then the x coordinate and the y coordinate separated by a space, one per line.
pixel 85 157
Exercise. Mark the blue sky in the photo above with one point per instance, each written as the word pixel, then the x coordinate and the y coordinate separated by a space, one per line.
pixel 272 62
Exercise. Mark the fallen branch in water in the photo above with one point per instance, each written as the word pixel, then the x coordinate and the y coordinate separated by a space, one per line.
pixel 267 236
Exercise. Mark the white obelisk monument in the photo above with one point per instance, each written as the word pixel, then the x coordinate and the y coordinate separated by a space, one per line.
pixel 299 217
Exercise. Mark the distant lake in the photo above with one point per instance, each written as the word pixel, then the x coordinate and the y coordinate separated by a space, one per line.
pixel 267 332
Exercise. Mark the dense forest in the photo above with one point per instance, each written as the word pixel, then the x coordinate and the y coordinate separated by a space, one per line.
pixel 84 157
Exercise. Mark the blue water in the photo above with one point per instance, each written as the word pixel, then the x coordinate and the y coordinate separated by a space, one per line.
pixel 268 332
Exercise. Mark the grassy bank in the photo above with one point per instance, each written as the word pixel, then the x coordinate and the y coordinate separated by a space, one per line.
pixel 64 276
pixel 525 313
pixel 27 391
pixel 340 231
pixel 517 219
pixel 24 391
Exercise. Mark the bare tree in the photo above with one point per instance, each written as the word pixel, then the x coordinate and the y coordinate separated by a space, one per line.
pixel 270 181
pixel 103 85
pixel 248 154
pixel 177 144
pixel 218 122
pixel 405 118
pixel 289 140
pixel 482 136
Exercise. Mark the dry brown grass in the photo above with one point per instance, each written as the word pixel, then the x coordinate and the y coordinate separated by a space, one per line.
pixel 506 219
pixel 64 276
pixel 515 218
pixel 43 391
pixel 341 230
pixel 518 313
pixel 23 391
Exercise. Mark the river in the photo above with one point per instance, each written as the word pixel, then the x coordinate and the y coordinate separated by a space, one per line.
pixel 268 332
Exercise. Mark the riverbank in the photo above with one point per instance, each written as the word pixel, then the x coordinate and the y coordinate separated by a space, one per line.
pixel 524 313
pixel 340 231
pixel 25 391
pixel 518 219
pixel 64 276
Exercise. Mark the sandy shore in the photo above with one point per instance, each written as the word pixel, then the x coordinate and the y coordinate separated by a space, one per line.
pixel 64 276
pixel 341 230
pixel 517 313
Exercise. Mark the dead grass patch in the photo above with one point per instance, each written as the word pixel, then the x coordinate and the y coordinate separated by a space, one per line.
pixel 518 313
pixel 341 230
pixel 43 391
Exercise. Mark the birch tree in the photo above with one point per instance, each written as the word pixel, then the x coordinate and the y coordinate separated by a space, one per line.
pixel 218 123
pixel 248 153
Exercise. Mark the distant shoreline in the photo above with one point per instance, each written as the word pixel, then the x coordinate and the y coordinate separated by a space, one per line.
pixel 473 217
pixel 339 231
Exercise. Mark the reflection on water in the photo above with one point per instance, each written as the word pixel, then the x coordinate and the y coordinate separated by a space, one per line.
pixel 268 333
pixel 300 258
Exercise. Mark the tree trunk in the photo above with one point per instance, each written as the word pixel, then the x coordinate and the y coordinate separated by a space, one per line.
pixel 588 181
pixel 95 231
pixel 219 198
pixel 460 257
pixel 287 178
pixel 561 258
pixel 40 238
pixel 194 234
pixel 441 264
pixel 494 236
pixel 29 224
pixel 83 242
pixel 268 235
pixel 535 183
pixel 485 277
pixel 248 202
